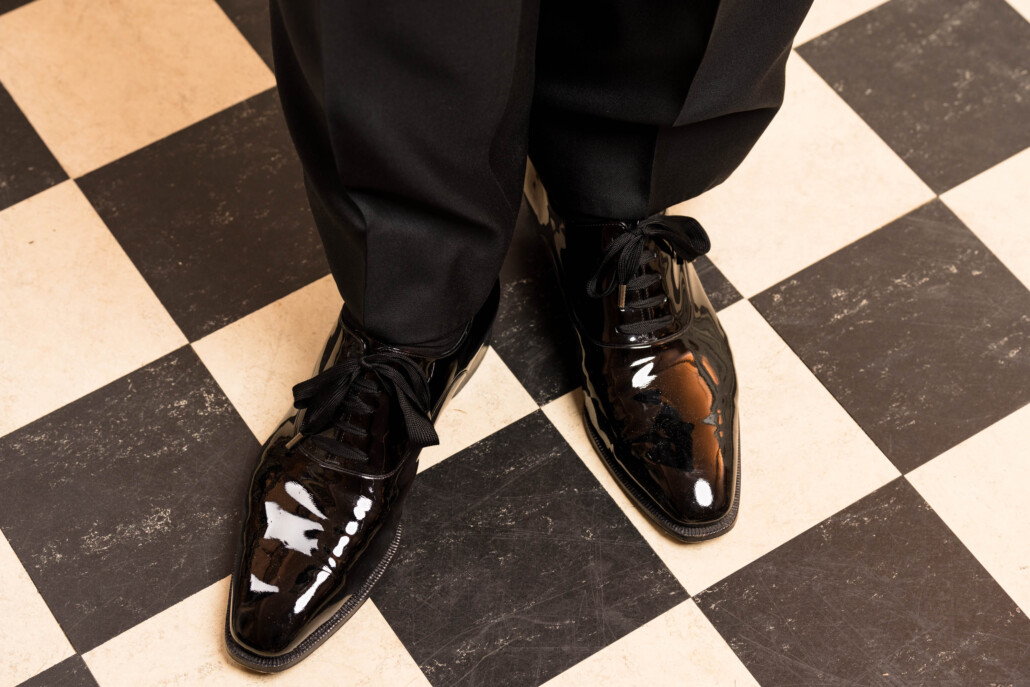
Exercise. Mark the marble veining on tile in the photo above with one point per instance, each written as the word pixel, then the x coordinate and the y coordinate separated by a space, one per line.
pixel 157 308
pixel 67 327
pixel 979 490
pixel 127 500
pixel 946 83
pixel 532 333
pixel 71 672
pixel 515 564
pixel 26 166
pixel 880 593
pixel 31 637
pixel 183 208
pixel 718 289
pixel 911 328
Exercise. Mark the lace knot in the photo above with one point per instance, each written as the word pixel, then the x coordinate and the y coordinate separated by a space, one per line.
pixel 682 237
pixel 334 391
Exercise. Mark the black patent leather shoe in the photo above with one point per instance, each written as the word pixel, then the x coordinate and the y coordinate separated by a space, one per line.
pixel 322 519
pixel 660 389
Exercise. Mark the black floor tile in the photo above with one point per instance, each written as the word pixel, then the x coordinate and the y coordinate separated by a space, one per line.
pixel 215 216
pixel 126 501
pixel 8 5
pixel 533 334
pixel 516 564
pixel 880 594
pixel 251 18
pixel 917 329
pixel 71 672
pixel 946 83
pixel 720 291
pixel 26 165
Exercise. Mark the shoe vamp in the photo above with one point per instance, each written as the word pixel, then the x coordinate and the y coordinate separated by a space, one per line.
pixel 671 410
pixel 308 525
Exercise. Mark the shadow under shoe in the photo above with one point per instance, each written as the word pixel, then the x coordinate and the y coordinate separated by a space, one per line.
pixel 660 388
pixel 322 519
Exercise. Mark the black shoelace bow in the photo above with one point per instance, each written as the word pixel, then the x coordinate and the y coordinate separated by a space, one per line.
pixel 334 393
pixel 625 258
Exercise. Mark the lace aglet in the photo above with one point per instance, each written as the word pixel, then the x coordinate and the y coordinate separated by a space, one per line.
pixel 294 441
pixel 622 295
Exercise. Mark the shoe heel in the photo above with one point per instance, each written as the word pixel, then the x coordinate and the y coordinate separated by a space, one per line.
pixel 474 365
pixel 467 375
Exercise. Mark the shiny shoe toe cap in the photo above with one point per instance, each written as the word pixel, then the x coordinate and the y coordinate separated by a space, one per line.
pixel 691 498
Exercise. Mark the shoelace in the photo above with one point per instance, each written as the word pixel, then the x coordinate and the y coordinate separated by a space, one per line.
pixel 335 392
pixel 624 259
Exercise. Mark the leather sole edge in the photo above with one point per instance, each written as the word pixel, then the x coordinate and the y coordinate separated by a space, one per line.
pixel 683 533
pixel 276 664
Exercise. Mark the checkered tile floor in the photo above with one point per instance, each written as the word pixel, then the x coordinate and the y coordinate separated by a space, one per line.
pixel 873 264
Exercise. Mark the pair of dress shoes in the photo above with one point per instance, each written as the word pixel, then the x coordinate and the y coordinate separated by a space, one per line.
pixel 323 513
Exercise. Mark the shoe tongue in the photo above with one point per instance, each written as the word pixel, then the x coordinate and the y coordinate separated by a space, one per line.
pixel 599 317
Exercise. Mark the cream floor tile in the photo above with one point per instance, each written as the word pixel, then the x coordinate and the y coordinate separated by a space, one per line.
pixel 996 206
pixel 1022 6
pixel 75 313
pixel 979 489
pixel 31 637
pixel 184 646
pixel 817 180
pixel 101 78
pixel 492 399
pixel 679 647
pixel 803 457
pixel 826 15
pixel 257 359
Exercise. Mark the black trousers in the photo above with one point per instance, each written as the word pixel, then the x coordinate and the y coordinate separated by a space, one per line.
pixel 413 120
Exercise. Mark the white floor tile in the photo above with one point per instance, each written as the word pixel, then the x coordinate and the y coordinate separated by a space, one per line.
pixel 679 647
pixel 184 646
pixel 101 78
pixel 979 488
pixel 257 359
pixel 75 313
pixel 803 457
pixel 827 15
pixel 31 637
pixel 492 400
pixel 996 206
pixel 817 180
pixel 1022 6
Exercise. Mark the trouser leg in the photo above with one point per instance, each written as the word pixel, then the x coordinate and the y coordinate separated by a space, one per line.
pixel 641 105
pixel 410 119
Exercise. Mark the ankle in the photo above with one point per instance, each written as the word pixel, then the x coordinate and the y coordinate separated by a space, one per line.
pixel 430 348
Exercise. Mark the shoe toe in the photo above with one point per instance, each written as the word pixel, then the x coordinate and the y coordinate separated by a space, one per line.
pixel 694 497
pixel 265 629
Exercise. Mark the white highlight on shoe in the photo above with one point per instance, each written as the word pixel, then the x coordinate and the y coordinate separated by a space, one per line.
pixel 257 585
pixel 643 376
pixel 303 497
pixel 351 528
pixel 306 597
pixel 290 529
pixel 338 551
pixel 703 492
pixel 362 507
